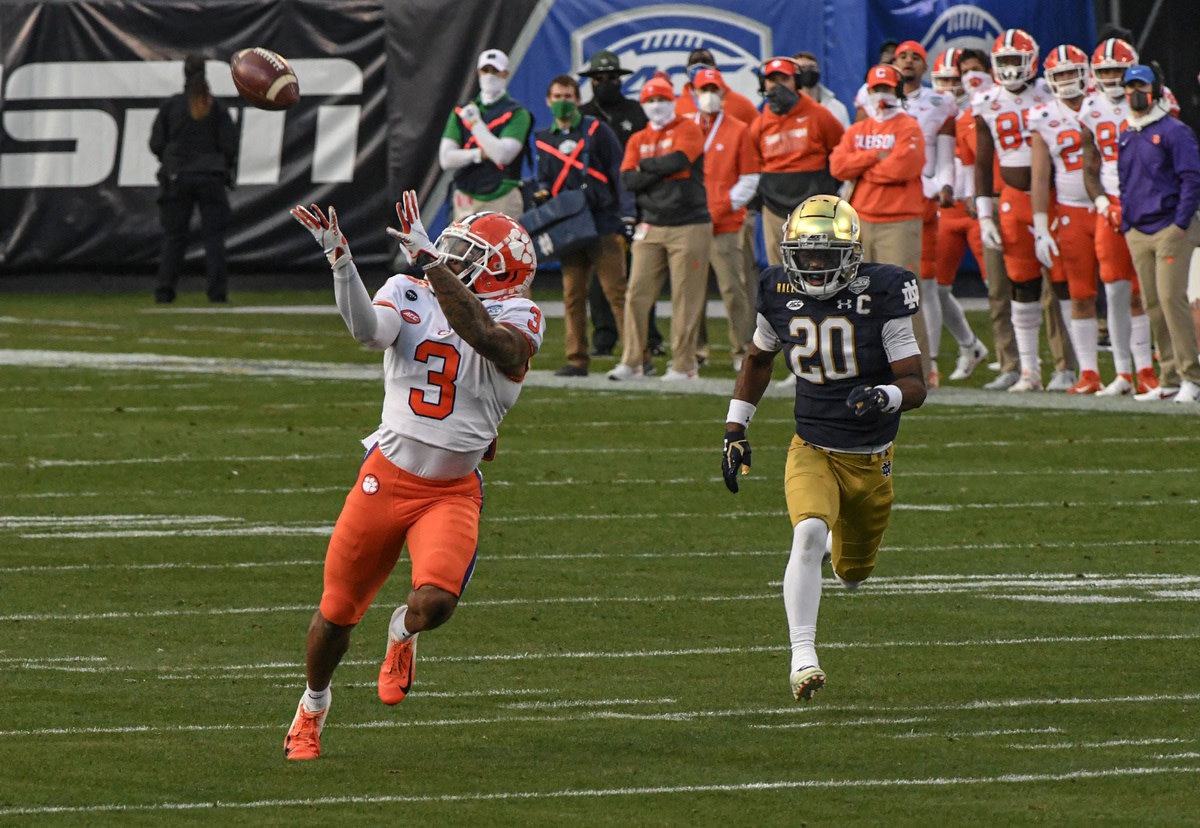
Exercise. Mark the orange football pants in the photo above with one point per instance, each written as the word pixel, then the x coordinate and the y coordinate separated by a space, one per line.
pixel 1115 262
pixel 956 231
pixel 1075 234
pixel 388 507
pixel 1016 231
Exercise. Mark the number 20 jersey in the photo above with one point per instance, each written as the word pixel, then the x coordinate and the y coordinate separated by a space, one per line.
pixel 437 389
pixel 835 345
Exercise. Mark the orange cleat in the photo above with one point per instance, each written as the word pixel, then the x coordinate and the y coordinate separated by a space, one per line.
pixel 1146 380
pixel 396 673
pixel 1089 383
pixel 303 739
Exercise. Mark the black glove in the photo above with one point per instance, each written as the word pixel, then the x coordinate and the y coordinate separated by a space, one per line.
pixel 735 458
pixel 867 398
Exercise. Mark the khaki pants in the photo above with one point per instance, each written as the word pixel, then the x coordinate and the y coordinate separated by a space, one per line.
pixel 750 271
pixel 1058 334
pixel 511 204
pixel 1004 342
pixel 682 253
pixel 899 243
pixel 1161 260
pixel 772 224
pixel 726 257
pixel 606 255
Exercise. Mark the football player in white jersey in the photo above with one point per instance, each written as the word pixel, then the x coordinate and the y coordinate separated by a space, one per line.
pixel 1104 113
pixel 1061 142
pixel 1002 130
pixel 457 346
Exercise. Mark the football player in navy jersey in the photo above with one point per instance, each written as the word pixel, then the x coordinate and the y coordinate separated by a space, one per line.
pixel 845 329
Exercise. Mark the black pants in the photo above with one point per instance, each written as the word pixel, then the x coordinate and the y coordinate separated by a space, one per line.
pixel 176 204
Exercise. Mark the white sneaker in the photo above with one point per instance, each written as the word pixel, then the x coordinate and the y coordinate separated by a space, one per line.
pixel 1003 381
pixel 1029 381
pixel 625 372
pixel 1122 386
pixel 675 376
pixel 1061 381
pixel 994 366
pixel 1163 392
pixel 737 364
pixel 1189 392
pixel 969 358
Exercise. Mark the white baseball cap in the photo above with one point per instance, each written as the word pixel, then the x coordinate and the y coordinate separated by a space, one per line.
pixel 494 58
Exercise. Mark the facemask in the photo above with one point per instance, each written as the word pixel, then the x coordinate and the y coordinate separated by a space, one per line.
pixel 976 81
pixel 882 105
pixel 563 110
pixel 492 87
pixel 781 99
pixel 659 113
pixel 808 77
pixel 709 102
pixel 1140 100
pixel 607 93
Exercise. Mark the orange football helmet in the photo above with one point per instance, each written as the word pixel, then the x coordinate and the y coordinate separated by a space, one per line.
pixel 1066 71
pixel 496 250
pixel 1109 62
pixel 1014 59
pixel 945 74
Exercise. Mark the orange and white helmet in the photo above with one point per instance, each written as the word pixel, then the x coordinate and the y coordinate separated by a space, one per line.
pixel 496 250
pixel 1066 71
pixel 946 77
pixel 1014 59
pixel 1117 54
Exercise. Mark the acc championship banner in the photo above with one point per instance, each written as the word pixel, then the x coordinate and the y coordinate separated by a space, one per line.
pixel 80 86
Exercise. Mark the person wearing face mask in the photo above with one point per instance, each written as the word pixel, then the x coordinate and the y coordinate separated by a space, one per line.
pixel 485 142
pixel 808 81
pixel 884 156
pixel 581 152
pixel 731 179
pixel 664 168
pixel 792 137
pixel 1158 164
pixel 736 104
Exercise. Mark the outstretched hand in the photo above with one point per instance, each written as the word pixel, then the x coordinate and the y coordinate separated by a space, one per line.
pixel 413 238
pixel 326 232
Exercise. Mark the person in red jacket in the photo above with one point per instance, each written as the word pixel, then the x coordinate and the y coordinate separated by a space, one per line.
pixel 883 156
pixel 731 179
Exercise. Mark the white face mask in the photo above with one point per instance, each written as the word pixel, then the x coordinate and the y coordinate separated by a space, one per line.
pixel 491 87
pixel 659 113
pixel 882 105
pixel 976 81
pixel 709 102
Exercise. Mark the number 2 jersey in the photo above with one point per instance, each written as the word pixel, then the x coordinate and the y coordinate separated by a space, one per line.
pixel 437 390
pixel 834 345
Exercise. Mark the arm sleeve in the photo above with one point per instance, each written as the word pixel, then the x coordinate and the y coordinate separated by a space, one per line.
pixel 765 337
pixel 944 174
pixel 500 150
pixel 743 190
pixel 374 326
pixel 452 157
pixel 899 341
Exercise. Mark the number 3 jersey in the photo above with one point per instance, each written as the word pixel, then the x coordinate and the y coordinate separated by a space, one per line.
pixel 437 389
pixel 835 345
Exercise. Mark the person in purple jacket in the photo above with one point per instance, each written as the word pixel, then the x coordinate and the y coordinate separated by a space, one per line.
pixel 1158 162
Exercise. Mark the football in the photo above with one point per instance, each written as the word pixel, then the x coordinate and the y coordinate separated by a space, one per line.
pixel 264 78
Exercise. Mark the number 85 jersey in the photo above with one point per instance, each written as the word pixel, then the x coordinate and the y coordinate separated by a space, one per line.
pixel 437 389
pixel 837 344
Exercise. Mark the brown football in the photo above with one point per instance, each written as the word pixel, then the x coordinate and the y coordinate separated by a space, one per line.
pixel 264 78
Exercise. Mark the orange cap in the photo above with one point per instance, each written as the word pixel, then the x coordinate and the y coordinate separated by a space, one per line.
pixel 884 75
pixel 709 77
pixel 779 64
pixel 912 46
pixel 657 88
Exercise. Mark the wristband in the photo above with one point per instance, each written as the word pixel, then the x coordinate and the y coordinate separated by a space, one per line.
pixel 427 261
pixel 983 206
pixel 740 412
pixel 1102 203
pixel 895 397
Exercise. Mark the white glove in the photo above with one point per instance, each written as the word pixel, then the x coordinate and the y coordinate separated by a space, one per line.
pixel 326 232
pixel 1043 242
pixel 470 115
pixel 990 234
pixel 414 241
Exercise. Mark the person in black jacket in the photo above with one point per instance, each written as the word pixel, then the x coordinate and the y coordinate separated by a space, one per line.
pixel 579 152
pixel 196 143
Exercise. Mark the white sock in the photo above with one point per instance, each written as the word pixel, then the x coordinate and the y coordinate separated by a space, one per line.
pixel 315 701
pixel 1118 295
pixel 1084 333
pixel 396 628
pixel 1139 342
pixel 1027 324
pixel 802 590
pixel 953 317
pixel 932 309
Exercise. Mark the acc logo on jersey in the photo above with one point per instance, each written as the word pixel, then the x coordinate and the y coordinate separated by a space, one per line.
pixel 370 484
pixel 962 27
pixel 795 304
pixel 410 316
pixel 661 37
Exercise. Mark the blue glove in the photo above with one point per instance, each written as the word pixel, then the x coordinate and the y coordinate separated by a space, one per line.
pixel 867 398
pixel 735 457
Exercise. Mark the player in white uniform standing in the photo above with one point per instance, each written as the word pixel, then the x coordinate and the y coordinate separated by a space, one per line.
pixel 457 346
pixel 1104 113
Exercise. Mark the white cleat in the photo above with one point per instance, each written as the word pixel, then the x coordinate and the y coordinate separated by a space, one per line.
pixel 1122 386
pixel 1003 381
pixel 806 682
pixel 626 372
pixel 676 376
pixel 1189 392
pixel 1160 393
pixel 969 359
pixel 1061 381
pixel 1029 381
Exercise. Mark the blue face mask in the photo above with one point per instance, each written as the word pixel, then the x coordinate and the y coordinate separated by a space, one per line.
pixel 694 69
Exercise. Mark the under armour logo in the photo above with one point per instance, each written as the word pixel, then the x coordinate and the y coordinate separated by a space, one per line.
pixel 845 304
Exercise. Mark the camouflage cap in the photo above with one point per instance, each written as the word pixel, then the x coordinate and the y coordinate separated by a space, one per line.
pixel 604 62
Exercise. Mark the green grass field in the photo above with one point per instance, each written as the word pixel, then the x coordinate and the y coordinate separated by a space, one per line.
pixel 1026 653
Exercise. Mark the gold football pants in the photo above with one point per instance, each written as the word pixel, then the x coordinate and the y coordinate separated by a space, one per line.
pixel 852 493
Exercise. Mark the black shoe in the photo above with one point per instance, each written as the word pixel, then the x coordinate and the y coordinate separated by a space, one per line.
pixel 164 296
pixel 602 352
pixel 218 298
pixel 571 371
pixel 658 349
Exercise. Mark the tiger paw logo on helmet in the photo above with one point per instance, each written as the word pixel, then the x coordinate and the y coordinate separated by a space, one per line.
pixel 520 247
